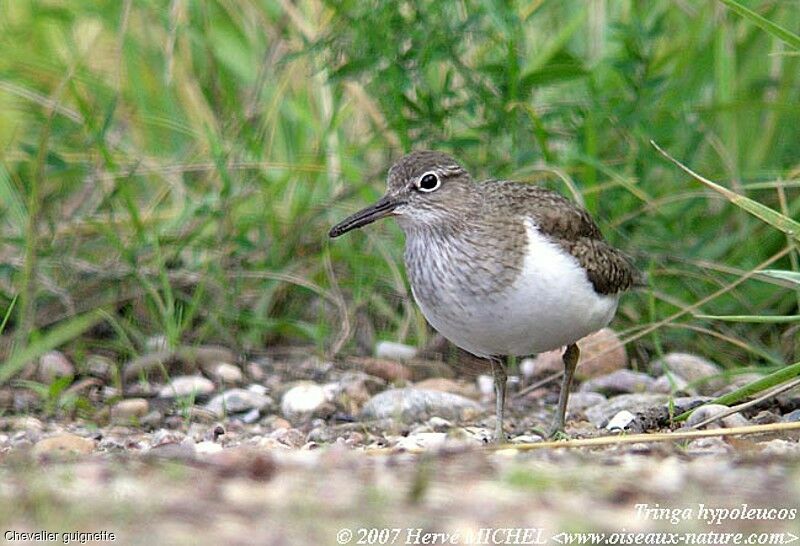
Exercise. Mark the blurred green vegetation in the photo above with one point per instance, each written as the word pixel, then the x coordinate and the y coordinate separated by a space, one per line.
pixel 172 168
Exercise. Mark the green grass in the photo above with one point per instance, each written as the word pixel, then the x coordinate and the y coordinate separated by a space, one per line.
pixel 172 168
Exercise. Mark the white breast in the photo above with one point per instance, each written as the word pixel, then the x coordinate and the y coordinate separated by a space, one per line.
pixel 551 304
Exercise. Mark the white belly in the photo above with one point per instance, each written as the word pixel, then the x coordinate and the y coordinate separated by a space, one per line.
pixel 551 304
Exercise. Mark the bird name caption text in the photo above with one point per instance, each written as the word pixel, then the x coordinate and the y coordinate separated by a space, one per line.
pixel 61 537
pixel 714 515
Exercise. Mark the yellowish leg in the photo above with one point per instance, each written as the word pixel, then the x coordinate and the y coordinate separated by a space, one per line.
pixel 500 380
pixel 570 358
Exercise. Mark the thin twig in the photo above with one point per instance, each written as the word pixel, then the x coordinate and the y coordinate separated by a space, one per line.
pixel 538 384
pixel 622 439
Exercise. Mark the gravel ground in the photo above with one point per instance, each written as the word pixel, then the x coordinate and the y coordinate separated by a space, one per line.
pixel 290 449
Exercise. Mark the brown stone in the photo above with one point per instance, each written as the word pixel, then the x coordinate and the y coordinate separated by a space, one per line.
pixel 454 386
pixel 63 445
pixel 385 369
pixel 54 364
pixel 601 354
pixel 128 410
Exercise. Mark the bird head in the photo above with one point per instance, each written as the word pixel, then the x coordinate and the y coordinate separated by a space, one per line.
pixel 423 189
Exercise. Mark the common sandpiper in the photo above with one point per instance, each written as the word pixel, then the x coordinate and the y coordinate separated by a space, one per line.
pixel 500 268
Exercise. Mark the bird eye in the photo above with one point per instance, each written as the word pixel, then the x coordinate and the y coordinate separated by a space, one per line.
pixel 429 182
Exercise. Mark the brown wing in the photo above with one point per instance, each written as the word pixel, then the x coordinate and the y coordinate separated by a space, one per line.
pixel 570 226
pixel 608 269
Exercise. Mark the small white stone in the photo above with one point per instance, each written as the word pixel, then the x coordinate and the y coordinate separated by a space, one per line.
pixel 258 389
pixel 439 424
pixel 394 351
pixel 237 401
pixel 527 367
pixel 227 373
pixel 486 385
pixel 620 421
pixel 526 439
pixel 207 448
pixel 186 385
pixel 303 400
pixel 424 440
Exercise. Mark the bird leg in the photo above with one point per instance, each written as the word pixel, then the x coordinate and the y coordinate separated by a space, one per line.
pixel 500 379
pixel 570 358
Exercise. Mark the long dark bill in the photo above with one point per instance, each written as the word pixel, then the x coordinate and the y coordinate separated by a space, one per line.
pixel 379 210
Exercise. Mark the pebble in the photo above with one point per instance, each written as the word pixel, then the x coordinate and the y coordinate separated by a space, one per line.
pixel 207 448
pixel 258 389
pixel 128 410
pixel 22 422
pixel 619 382
pixel 415 405
pixel 100 366
pixel 227 374
pixel 251 416
pixel 765 417
pixel 422 440
pixel 693 369
pixel 209 356
pixel 245 462
pixel 792 417
pixel 255 371
pixel 705 412
pixel 199 414
pixel 601 354
pixel 789 400
pixel 708 446
pixel 527 367
pixel 6 400
pixel 304 401
pixel 485 385
pixel 579 401
pixel 182 451
pixel 455 386
pixel 395 351
pixel 54 364
pixel 677 385
pixel 238 401
pixel 63 445
pixel 354 389
pixel 438 424
pixel 152 420
pixel 621 421
pixel 600 414
pixel 526 439
pixel 186 385
pixel 289 437
pixel 388 370
pixel 780 447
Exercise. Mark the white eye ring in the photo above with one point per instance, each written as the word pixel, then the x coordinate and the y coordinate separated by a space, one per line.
pixel 424 182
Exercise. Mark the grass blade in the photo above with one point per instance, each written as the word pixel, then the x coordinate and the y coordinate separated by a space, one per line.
pixel 759 385
pixel 791 276
pixel 777 31
pixel 752 318
pixel 768 215
pixel 54 337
